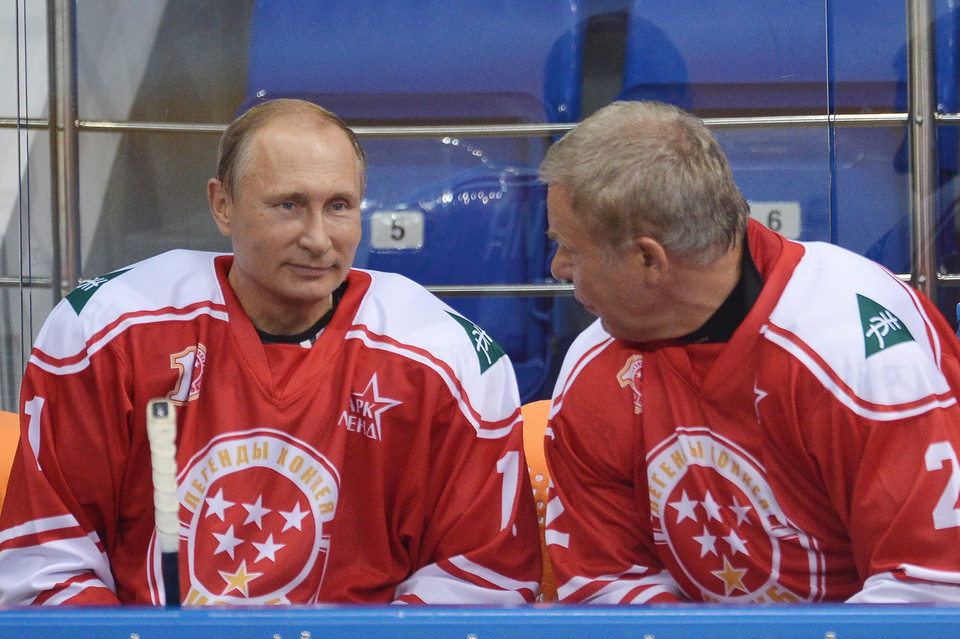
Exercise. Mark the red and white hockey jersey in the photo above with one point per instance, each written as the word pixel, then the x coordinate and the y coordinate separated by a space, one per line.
pixel 386 465
pixel 813 457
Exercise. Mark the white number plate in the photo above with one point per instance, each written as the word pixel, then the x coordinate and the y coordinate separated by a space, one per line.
pixel 397 230
pixel 782 217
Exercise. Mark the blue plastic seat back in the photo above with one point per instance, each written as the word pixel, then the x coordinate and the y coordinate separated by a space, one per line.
pixel 491 226
pixel 763 57
pixel 420 59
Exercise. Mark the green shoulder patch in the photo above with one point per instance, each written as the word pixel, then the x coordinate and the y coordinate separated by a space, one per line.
pixel 488 351
pixel 79 296
pixel 881 328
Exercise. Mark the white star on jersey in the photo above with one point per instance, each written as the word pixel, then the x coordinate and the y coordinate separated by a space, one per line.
pixel 217 505
pixel 711 507
pixel 268 549
pixel 228 542
pixel 708 543
pixel 685 508
pixel 256 512
pixel 294 517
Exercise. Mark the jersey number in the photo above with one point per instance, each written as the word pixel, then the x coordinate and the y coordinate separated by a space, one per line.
pixel 33 409
pixel 945 513
pixel 509 467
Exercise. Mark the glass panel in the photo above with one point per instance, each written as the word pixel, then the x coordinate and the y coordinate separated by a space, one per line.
pixel 25 200
pixel 150 198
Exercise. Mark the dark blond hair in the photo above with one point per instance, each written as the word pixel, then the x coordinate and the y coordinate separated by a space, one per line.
pixel 234 151
pixel 650 169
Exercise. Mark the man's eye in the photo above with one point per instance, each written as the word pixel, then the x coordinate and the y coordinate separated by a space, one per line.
pixel 288 206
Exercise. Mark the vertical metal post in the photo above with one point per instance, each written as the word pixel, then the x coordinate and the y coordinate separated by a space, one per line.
pixel 922 136
pixel 64 147
pixel 53 98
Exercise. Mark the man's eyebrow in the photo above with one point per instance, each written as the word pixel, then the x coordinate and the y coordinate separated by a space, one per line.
pixel 348 195
pixel 280 196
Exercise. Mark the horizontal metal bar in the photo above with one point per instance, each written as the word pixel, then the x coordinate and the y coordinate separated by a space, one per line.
pixel 26 282
pixel 24 123
pixel 944 279
pixel 518 130
pixel 498 130
pixel 109 126
pixel 780 121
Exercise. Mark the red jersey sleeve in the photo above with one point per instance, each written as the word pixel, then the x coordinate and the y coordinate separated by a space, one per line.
pixel 891 472
pixel 481 540
pixel 53 529
pixel 598 533
pixel 899 482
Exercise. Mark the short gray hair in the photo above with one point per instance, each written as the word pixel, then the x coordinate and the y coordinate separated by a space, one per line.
pixel 650 169
pixel 234 152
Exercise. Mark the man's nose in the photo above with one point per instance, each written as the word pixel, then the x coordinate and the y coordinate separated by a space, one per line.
pixel 560 265
pixel 314 236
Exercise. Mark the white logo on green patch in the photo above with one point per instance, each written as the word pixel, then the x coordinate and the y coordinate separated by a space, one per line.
pixel 881 328
pixel 488 351
pixel 79 296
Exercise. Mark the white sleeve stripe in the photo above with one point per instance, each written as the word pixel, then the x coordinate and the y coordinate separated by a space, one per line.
pixel 39 526
pixel 491 576
pixel 930 403
pixel 27 572
pixel 71 591
pixel 885 588
pixel 555 538
pixel 930 574
pixel 84 362
pixel 617 592
pixel 649 593
pixel 433 585
pixel 577 582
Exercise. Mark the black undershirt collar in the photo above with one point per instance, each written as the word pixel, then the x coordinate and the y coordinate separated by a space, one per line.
pixel 725 320
pixel 308 337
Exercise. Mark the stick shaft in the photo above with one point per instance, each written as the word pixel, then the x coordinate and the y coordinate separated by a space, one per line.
pixel 162 433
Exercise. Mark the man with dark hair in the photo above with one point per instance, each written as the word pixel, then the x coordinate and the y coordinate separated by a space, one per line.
pixel 750 419
pixel 342 435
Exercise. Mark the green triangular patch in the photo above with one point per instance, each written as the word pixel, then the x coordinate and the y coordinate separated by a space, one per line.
pixel 488 351
pixel 881 328
pixel 79 296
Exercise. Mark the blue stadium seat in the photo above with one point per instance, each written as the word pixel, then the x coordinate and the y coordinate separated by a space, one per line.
pixel 450 210
pixel 848 185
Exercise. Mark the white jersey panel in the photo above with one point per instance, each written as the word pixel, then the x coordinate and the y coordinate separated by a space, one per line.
pixel 864 328
pixel 174 280
pixel 407 313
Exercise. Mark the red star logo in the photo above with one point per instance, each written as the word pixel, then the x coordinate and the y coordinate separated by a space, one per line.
pixel 368 406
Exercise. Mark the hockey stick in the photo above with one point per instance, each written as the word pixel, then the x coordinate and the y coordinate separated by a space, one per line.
pixel 162 433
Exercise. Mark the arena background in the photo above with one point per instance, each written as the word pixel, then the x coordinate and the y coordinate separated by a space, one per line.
pixel 840 119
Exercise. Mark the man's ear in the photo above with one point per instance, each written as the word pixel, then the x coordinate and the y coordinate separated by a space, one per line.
pixel 652 256
pixel 220 203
